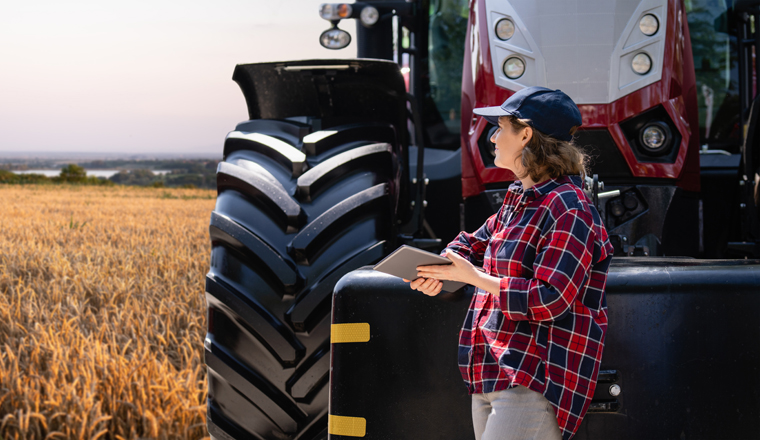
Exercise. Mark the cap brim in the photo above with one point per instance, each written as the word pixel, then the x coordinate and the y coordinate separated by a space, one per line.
pixel 491 114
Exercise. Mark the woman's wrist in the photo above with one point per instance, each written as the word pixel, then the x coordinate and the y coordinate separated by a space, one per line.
pixel 487 282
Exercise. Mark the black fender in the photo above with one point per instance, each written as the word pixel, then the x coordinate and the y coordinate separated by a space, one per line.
pixel 682 348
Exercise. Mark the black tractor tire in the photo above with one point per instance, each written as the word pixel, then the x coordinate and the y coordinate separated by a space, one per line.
pixel 296 210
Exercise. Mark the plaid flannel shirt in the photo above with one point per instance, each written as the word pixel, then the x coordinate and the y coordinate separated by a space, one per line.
pixel 545 329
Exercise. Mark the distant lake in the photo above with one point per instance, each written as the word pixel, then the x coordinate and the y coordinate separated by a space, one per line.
pixel 96 173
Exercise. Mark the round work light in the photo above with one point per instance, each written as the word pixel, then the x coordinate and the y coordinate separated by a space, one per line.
pixel 641 63
pixel 649 25
pixel 334 39
pixel 505 29
pixel 514 68
pixel 630 201
pixel 616 207
pixel 655 137
pixel 369 15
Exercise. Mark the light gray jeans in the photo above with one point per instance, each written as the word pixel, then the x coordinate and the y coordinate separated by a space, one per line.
pixel 517 413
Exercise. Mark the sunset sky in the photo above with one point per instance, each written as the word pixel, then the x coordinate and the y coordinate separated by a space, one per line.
pixel 140 76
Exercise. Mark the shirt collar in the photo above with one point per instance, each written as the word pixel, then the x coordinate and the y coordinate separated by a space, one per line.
pixel 544 187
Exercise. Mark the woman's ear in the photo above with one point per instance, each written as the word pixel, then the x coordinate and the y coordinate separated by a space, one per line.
pixel 527 134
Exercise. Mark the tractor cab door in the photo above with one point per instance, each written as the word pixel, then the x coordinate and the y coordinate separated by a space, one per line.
pixel 723 38
pixel 750 184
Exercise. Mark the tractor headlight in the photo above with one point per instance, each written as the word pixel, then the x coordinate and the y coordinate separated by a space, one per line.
pixel 641 63
pixel 369 15
pixel 514 67
pixel 649 25
pixel 490 145
pixel 505 29
pixel 655 136
pixel 616 208
pixel 335 11
pixel 334 39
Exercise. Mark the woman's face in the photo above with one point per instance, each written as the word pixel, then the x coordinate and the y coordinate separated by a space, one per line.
pixel 509 146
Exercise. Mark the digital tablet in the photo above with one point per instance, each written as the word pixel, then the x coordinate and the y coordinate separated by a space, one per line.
pixel 403 263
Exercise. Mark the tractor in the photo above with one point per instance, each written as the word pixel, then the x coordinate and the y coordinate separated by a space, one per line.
pixel 342 160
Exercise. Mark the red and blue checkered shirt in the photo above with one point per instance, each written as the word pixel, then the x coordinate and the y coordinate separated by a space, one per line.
pixel 545 329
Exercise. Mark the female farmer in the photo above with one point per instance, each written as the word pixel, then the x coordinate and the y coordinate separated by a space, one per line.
pixel 530 347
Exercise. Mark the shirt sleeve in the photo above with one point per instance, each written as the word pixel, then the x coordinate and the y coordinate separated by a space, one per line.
pixel 473 246
pixel 562 265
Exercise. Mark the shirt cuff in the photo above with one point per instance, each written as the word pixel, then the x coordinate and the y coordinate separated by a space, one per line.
pixel 513 297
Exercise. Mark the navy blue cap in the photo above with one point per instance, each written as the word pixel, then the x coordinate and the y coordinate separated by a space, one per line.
pixel 551 112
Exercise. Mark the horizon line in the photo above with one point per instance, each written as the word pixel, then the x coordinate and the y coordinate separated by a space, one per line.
pixel 60 155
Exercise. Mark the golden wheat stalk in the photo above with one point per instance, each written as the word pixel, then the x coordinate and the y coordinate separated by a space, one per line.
pixel 102 314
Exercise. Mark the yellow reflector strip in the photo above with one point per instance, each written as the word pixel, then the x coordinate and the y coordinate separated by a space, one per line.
pixel 356 332
pixel 348 426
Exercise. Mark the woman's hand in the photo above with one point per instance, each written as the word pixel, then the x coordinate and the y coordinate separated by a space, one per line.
pixel 429 276
pixel 428 286
pixel 460 270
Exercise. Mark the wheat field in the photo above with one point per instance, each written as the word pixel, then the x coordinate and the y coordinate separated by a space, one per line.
pixel 102 313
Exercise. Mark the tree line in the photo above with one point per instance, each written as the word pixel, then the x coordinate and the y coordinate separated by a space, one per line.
pixel 192 174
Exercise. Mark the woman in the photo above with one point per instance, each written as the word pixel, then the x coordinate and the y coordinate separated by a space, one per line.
pixel 530 347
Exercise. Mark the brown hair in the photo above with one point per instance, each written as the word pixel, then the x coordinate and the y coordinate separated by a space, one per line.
pixel 545 155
